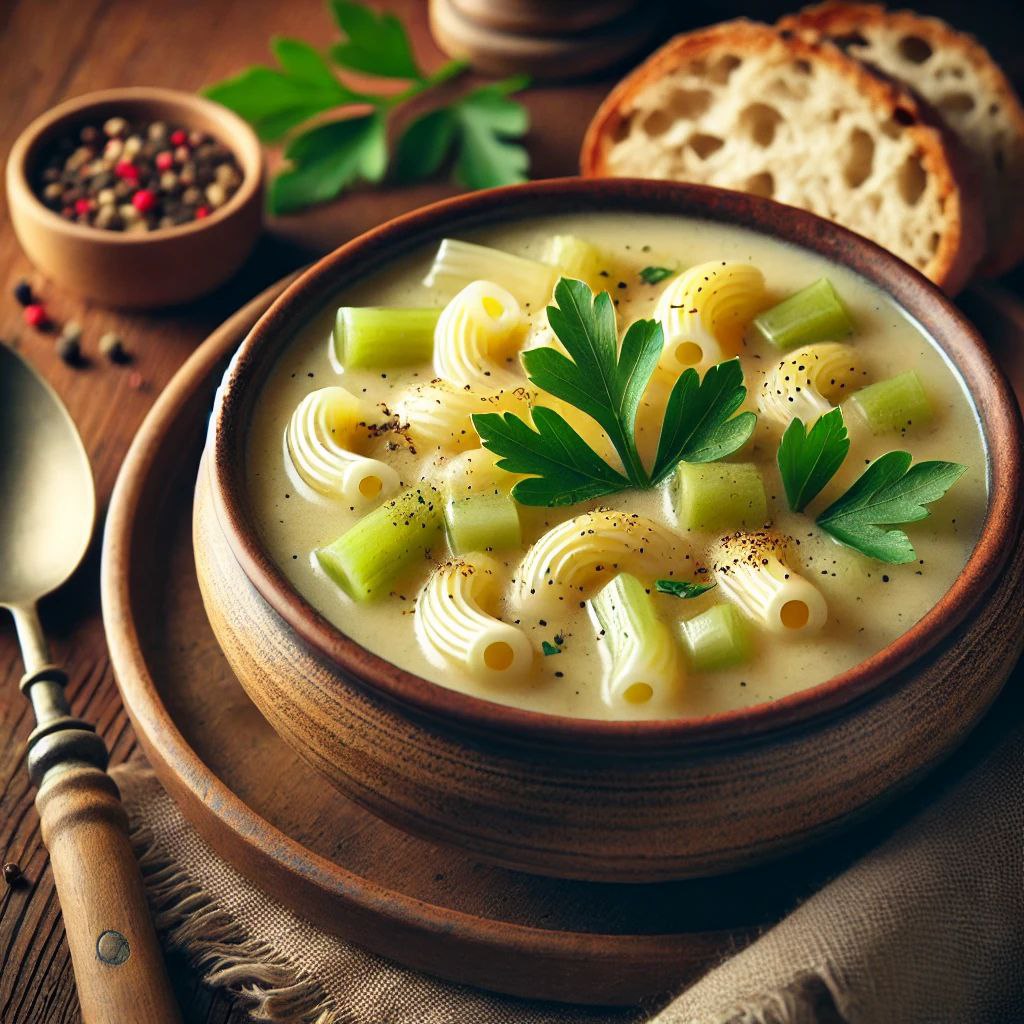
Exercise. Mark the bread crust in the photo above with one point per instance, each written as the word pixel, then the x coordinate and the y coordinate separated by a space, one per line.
pixel 833 19
pixel 962 241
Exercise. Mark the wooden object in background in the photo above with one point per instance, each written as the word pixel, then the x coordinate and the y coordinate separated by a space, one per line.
pixel 548 41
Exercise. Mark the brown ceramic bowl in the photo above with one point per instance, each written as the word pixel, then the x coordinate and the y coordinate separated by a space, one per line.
pixel 618 801
pixel 138 271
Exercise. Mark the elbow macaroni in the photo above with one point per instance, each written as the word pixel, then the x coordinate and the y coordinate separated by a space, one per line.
pixel 320 433
pixel 475 335
pixel 806 382
pixel 704 312
pixel 455 623
pixel 749 568
pixel 572 559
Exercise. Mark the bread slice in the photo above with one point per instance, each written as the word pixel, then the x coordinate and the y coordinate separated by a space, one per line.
pixel 743 105
pixel 956 75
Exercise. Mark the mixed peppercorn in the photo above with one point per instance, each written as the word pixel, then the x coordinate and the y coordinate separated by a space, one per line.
pixel 134 176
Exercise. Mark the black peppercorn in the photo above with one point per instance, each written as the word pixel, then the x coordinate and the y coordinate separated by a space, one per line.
pixel 23 293
pixel 12 874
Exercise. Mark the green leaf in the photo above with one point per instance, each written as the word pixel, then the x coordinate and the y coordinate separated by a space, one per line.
pixel 273 101
pixel 697 427
pixel 566 469
pixel 329 158
pixel 888 492
pixel 488 120
pixel 424 145
pixel 549 648
pixel 600 379
pixel 808 460
pixel 653 275
pixel 683 588
pixel 376 44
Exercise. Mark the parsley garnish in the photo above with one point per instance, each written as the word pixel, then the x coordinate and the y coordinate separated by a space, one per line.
pixel 654 275
pixel 809 459
pixel 549 648
pixel 606 382
pixel 322 161
pixel 683 588
pixel 888 492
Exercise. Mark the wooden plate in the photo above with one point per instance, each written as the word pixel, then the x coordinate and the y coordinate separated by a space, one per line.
pixel 280 824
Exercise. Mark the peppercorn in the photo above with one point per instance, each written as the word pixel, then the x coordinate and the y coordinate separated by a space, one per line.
pixel 144 200
pixel 202 212
pixel 12 874
pixel 23 292
pixel 69 350
pixel 35 315
pixel 179 137
pixel 165 160
pixel 72 329
pixel 115 126
pixel 113 348
pixel 136 381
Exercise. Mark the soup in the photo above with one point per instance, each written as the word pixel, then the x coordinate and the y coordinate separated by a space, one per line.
pixel 636 540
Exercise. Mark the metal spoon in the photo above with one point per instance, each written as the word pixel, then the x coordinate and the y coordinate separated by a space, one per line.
pixel 47 512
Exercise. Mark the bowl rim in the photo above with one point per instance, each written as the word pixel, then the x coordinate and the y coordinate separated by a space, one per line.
pixel 237 136
pixel 995 407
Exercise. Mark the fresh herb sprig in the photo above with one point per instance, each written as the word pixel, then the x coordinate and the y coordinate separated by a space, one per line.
pixel 479 128
pixel 890 492
pixel 606 381
pixel 655 275
pixel 686 589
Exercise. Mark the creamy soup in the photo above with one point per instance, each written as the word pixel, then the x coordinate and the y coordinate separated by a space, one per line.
pixel 567 598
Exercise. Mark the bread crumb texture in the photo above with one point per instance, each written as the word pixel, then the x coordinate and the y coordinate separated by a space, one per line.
pixel 748 107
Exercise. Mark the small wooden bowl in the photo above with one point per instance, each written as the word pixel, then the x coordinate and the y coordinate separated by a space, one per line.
pixel 138 271
pixel 615 801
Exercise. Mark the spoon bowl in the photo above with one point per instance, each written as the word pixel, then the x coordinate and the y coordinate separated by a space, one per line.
pixel 49 506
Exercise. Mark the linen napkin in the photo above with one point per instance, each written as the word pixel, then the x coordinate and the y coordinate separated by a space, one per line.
pixel 928 928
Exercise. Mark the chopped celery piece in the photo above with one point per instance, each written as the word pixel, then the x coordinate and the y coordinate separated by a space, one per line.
pixel 368 557
pixel 366 337
pixel 576 258
pixel 893 404
pixel 644 653
pixel 715 639
pixel 719 496
pixel 815 313
pixel 484 522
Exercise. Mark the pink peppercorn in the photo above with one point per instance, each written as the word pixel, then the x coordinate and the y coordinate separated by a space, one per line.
pixel 127 171
pixel 35 315
pixel 165 160
pixel 144 200
pixel 83 207
pixel 179 138
pixel 202 211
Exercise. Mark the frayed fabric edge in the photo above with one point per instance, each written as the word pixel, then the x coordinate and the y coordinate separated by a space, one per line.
pixel 190 921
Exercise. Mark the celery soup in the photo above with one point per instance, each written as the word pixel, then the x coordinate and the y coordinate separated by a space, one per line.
pixel 742 471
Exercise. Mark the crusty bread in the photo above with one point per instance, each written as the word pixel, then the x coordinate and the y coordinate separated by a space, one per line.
pixel 956 75
pixel 743 105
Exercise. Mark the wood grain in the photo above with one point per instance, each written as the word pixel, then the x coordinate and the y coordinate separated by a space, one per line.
pixel 66 47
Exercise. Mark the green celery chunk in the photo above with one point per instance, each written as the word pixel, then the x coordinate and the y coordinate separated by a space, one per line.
pixel 716 639
pixel 368 557
pixel 894 404
pixel 719 496
pixel 815 313
pixel 367 337
pixel 483 522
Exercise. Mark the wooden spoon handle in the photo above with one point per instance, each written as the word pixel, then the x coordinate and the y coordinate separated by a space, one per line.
pixel 119 969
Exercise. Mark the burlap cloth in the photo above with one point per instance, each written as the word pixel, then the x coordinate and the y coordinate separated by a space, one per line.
pixel 927 928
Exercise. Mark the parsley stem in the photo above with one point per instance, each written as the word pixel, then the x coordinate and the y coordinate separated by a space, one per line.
pixel 446 72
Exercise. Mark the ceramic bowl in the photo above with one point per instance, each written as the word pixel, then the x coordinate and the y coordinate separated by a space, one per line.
pixel 617 801
pixel 164 267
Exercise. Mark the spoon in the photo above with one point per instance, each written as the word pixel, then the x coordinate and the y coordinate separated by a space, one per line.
pixel 47 513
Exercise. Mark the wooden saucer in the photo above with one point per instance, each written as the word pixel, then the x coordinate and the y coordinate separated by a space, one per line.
pixel 280 824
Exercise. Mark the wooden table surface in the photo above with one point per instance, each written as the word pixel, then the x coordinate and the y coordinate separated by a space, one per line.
pixel 62 48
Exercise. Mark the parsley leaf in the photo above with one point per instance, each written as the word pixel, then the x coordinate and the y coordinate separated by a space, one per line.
pixel 568 469
pixel 600 379
pixel 273 101
pixel 683 588
pixel 328 159
pixel 376 44
pixel 550 648
pixel 654 275
pixel 809 459
pixel 479 127
pixel 888 492
pixel 697 425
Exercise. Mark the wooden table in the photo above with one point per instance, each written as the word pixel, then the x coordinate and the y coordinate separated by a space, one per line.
pixel 66 47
